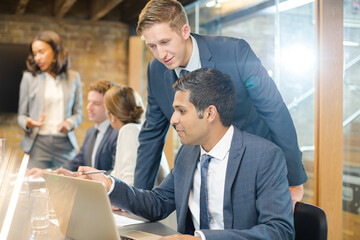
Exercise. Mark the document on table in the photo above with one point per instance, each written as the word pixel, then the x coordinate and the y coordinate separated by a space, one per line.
pixel 125 221
pixel 31 179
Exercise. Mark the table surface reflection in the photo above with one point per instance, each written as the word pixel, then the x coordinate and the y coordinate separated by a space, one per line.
pixel 21 224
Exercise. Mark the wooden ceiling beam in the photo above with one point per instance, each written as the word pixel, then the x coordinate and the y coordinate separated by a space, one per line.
pixel 62 7
pixel 21 7
pixel 101 8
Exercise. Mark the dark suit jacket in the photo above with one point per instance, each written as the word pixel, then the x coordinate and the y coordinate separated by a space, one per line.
pixel 260 109
pixel 105 155
pixel 257 201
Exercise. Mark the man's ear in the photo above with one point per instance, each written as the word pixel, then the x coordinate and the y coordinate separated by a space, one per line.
pixel 211 113
pixel 185 31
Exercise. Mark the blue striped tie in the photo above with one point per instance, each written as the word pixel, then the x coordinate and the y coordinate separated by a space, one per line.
pixel 204 213
pixel 183 72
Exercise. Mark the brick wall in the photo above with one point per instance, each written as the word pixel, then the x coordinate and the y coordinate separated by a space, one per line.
pixel 98 50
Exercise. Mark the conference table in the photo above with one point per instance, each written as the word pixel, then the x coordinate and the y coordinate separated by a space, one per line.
pixel 21 226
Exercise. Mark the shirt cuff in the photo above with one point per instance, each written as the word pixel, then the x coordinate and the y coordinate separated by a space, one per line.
pixel 112 184
pixel 70 120
pixel 199 233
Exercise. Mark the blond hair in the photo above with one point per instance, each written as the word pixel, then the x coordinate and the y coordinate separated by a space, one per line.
pixel 162 11
pixel 101 86
pixel 124 104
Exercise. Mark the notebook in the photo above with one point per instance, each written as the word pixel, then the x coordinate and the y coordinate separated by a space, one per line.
pixel 84 211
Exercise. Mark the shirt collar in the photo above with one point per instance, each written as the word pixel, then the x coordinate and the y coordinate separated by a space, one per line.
pixel 57 78
pixel 103 126
pixel 194 62
pixel 220 150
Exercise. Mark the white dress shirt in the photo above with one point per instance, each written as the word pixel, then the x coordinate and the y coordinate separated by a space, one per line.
pixel 194 62
pixel 216 184
pixel 53 106
pixel 102 127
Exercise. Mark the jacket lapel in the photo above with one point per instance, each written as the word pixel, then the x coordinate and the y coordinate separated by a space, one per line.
pixel 66 91
pixel 190 167
pixel 236 153
pixel 101 145
pixel 41 91
pixel 205 54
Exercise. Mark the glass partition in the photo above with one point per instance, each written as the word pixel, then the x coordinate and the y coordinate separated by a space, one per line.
pixel 282 34
pixel 295 75
pixel 351 124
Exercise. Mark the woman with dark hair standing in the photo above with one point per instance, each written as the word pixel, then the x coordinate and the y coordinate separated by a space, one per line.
pixel 50 103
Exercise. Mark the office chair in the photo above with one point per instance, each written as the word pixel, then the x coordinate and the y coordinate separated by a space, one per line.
pixel 310 222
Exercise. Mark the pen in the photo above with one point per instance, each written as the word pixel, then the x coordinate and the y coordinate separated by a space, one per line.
pixel 94 172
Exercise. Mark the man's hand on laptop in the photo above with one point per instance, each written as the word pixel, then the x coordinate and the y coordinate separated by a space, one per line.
pixel 36 172
pixel 95 175
pixel 65 172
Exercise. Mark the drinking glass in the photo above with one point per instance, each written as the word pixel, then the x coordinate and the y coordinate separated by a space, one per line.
pixel 39 211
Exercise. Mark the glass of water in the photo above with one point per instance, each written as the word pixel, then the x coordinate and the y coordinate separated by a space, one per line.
pixel 39 211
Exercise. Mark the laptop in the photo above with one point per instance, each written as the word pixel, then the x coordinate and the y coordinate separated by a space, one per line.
pixel 84 211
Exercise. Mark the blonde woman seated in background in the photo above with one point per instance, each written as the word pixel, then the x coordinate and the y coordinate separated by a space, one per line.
pixel 125 111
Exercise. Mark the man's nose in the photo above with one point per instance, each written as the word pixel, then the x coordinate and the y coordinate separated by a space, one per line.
pixel 162 53
pixel 174 119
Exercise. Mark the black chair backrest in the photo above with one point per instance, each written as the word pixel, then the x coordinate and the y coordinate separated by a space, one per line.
pixel 310 222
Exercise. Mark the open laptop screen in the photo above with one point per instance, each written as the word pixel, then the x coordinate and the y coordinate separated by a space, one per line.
pixel 82 207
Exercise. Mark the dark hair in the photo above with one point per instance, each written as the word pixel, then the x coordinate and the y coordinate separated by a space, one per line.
pixel 207 87
pixel 124 103
pixel 61 58
pixel 162 11
pixel 102 86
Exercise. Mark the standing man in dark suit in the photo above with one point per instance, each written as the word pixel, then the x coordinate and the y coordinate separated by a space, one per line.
pixel 259 110
pixel 99 147
pixel 226 184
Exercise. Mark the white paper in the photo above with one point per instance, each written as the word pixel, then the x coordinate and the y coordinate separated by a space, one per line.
pixel 125 221
pixel 31 179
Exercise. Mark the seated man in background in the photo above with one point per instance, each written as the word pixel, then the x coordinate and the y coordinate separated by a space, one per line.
pixel 99 147
pixel 226 184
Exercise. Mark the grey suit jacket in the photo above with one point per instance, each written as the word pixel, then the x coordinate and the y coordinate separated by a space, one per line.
pixel 257 201
pixel 31 103
pixel 105 154
pixel 260 109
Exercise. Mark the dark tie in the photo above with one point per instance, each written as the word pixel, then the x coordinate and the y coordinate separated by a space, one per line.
pixel 204 213
pixel 92 143
pixel 183 72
